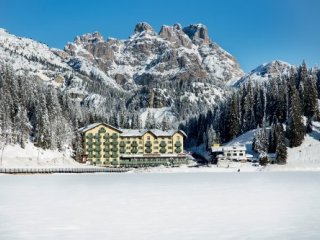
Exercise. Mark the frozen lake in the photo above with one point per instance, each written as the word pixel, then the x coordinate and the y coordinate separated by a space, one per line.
pixel 263 205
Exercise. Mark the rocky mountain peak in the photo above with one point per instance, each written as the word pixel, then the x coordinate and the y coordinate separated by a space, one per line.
pixel 266 71
pixel 198 33
pixel 143 27
pixel 165 70
pixel 175 35
pixel 177 26
pixel 89 38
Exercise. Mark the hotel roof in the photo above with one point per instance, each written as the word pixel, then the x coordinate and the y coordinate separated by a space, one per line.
pixel 134 132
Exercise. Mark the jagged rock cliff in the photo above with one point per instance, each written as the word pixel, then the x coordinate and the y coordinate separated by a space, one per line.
pixel 179 68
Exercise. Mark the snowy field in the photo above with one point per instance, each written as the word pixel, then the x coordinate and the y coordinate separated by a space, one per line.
pixel 264 205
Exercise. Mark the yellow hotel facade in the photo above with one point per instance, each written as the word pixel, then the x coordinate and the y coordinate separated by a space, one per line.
pixel 105 145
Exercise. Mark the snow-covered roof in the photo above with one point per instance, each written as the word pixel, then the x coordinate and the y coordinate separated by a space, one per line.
pixel 152 155
pixel 234 148
pixel 272 155
pixel 216 149
pixel 93 125
pixel 156 132
pixel 134 132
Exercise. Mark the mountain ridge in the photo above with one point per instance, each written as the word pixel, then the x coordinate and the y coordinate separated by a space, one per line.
pixel 178 68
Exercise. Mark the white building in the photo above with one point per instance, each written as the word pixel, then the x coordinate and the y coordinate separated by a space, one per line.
pixel 232 153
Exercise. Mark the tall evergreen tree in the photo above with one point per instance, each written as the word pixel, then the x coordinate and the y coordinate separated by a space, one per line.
pixel 281 149
pixel 295 128
pixel 166 123
pixel 273 137
pixel 232 121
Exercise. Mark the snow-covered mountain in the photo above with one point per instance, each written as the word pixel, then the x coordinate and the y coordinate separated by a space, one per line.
pixel 264 72
pixel 148 58
pixel 27 55
pixel 177 68
pixel 178 71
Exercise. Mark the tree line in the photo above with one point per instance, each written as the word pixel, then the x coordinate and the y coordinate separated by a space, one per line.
pixel 289 102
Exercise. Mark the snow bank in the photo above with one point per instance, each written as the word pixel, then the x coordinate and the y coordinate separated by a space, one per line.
pixel 305 157
pixel 31 156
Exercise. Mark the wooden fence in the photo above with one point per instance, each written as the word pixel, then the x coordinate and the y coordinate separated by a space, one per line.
pixel 47 170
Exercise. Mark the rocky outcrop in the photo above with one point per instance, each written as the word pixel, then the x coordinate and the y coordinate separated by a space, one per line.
pixel 143 27
pixel 265 72
pixel 175 35
pixel 178 68
pixel 198 33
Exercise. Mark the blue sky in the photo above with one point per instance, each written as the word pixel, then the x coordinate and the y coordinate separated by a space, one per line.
pixel 254 32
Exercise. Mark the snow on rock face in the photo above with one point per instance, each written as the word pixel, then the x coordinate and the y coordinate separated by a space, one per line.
pixel 274 69
pixel 173 54
pixel 170 61
pixel 143 26
pixel 27 54
pixel 198 33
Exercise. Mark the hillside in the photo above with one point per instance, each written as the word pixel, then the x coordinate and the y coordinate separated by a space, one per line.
pixel 179 69
pixel 302 158
pixel 179 75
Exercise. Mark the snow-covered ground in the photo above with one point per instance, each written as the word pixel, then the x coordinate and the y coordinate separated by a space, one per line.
pixel 160 206
pixel 302 158
pixel 31 156
pixel 233 167
pixel 305 157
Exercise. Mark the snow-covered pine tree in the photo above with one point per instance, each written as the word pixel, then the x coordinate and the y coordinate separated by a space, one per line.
pixel 77 144
pixel 256 140
pixel 23 126
pixel 166 123
pixel 260 144
pixel 211 137
pixel 232 121
pixel 272 145
pixel 281 148
pixel 264 141
pixel 149 121
pixel 42 131
pixel 247 108
pixel 295 128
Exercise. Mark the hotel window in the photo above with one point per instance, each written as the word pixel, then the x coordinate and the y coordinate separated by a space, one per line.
pixel 156 147
pixel 156 142
pixel 235 154
pixel 228 154
pixel 241 154
pixel 148 138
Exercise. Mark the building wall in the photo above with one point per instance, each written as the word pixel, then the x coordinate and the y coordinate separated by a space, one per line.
pixel 106 157
pixel 99 145
pixel 148 138
pixel 177 142
pixel 235 154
